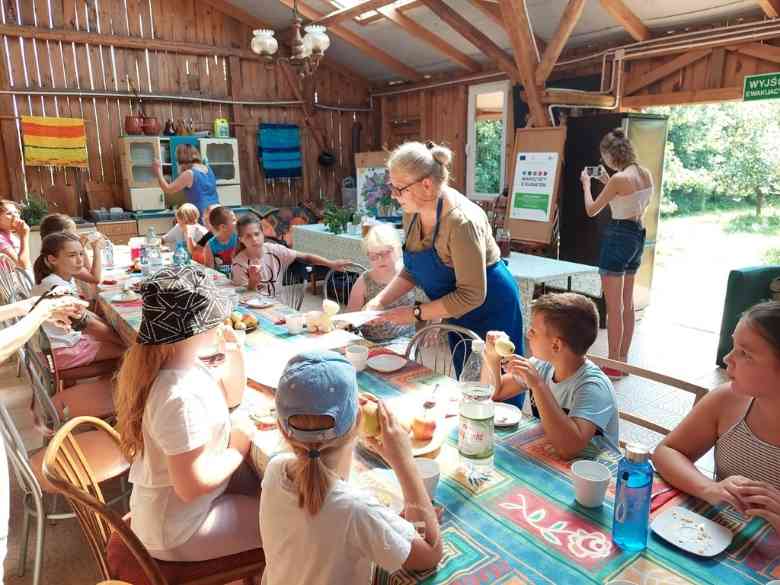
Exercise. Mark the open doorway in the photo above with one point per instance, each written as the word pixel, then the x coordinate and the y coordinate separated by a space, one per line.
pixel 720 206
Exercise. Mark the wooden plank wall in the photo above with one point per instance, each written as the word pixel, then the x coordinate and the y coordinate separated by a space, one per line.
pixel 33 64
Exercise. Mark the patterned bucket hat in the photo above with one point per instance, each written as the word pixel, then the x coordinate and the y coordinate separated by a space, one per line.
pixel 179 302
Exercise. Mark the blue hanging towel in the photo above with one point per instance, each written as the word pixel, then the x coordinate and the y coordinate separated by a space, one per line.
pixel 279 150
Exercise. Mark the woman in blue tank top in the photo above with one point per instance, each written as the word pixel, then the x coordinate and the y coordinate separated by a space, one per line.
pixel 195 179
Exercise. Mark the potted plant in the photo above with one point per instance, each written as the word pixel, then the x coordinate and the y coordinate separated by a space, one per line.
pixel 34 209
pixel 336 218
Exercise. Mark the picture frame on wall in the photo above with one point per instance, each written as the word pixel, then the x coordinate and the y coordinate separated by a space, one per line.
pixel 373 185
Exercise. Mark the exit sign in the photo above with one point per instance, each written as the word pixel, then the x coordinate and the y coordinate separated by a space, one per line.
pixel 761 87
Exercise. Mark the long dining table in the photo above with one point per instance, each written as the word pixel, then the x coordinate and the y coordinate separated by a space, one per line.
pixel 522 525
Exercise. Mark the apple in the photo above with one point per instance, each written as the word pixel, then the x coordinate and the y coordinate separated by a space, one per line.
pixel 330 308
pixel 423 428
pixel 369 422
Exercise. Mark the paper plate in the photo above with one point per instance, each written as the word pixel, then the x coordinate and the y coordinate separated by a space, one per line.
pixel 386 362
pixel 125 297
pixel 506 415
pixel 692 532
pixel 258 302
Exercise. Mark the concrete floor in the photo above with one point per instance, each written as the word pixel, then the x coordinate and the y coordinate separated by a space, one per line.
pixel 661 346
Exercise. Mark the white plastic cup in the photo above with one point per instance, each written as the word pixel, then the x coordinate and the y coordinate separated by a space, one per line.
pixel 429 472
pixel 295 324
pixel 591 480
pixel 240 336
pixel 357 355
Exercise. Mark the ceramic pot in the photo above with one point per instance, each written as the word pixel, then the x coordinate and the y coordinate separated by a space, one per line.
pixel 151 126
pixel 134 124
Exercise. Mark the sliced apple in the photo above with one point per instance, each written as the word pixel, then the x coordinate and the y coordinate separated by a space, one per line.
pixel 330 308
pixel 423 428
pixel 369 422
pixel 505 347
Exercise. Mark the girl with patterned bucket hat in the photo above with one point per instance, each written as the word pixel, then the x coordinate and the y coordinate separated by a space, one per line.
pixel 192 491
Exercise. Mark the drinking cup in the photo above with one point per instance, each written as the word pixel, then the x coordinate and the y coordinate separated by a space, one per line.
pixel 295 324
pixel 591 480
pixel 357 355
pixel 429 472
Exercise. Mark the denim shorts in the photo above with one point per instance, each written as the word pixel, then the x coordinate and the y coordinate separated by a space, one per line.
pixel 622 246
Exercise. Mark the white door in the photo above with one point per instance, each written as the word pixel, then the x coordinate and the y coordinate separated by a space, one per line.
pixel 487 135
pixel 222 157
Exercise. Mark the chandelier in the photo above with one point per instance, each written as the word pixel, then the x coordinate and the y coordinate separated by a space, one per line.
pixel 305 52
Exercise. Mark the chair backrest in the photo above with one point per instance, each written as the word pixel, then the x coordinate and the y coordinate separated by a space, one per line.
pixel 697 391
pixel 65 466
pixel 441 347
pixel 24 283
pixel 8 292
pixel 42 382
pixel 293 287
pixel 17 455
pixel 338 283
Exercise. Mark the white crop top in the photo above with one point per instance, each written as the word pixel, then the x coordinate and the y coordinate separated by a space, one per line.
pixel 631 206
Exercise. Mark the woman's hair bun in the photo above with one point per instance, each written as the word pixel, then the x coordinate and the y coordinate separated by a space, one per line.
pixel 441 154
pixel 618 133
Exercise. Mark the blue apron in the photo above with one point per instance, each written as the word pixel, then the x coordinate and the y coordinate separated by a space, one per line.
pixel 501 310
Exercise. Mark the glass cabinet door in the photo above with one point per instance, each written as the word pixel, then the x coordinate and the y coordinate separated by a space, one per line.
pixel 141 154
pixel 221 157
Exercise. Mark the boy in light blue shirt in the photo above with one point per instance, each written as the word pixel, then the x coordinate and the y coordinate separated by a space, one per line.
pixel 571 396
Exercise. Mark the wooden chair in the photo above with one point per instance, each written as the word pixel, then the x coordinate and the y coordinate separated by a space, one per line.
pixel 431 347
pixel 338 283
pixel 27 470
pixel 697 391
pixel 117 550
pixel 65 377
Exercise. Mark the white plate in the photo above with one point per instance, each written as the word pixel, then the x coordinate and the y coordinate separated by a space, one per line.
pixel 692 532
pixel 125 297
pixel 506 415
pixel 258 302
pixel 386 362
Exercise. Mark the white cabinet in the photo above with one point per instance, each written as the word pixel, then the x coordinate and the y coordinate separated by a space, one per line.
pixel 222 157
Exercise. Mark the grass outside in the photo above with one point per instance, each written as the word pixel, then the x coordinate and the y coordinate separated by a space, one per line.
pixel 695 254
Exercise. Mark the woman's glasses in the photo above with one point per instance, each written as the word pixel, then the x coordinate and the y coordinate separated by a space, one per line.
pixel 398 191
pixel 377 256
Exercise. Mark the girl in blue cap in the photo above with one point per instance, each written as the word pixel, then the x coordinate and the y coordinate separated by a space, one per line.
pixel 319 529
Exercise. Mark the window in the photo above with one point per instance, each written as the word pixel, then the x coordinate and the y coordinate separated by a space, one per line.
pixel 487 120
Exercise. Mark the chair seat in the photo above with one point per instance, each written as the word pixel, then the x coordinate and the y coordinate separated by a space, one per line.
pixel 87 399
pixel 102 454
pixel 124 566
pixel 93 370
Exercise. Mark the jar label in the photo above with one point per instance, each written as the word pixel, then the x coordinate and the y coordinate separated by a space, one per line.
pixel 476 437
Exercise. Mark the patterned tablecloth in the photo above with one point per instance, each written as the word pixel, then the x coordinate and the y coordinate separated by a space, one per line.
pixel 523 526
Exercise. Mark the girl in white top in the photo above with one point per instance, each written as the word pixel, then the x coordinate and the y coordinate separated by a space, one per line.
pixel 317 527
pixel 189 500
pixel 260 265
pixel 92 271
pixel 628 194
pixel 739 419
pixel 89 338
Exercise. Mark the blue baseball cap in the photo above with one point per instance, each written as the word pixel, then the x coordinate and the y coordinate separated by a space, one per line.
pixel 319 383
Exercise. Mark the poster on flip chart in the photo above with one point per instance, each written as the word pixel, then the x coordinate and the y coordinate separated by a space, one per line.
pixel 534 185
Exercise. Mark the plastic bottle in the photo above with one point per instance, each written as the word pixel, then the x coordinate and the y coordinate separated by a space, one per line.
pixel 144 259
pixel 632 498
pixel 108 254
pixel 476 433
pixel 181 257
pixel 154 252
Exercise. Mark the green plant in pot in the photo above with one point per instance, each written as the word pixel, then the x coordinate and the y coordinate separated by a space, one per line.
pixel 336 218
pixel 34 209
pixel 385 205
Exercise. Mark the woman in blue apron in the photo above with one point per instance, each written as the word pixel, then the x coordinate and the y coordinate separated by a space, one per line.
pixel 196 179
pixel 449 252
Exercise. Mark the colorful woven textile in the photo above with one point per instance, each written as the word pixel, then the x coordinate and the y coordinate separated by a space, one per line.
pixel 279 150
pixel 60 142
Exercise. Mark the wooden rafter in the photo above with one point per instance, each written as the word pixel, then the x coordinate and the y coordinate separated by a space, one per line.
pixel 359 43
pixel 352 11
pixel 627 19
pixel 493 12
pixel 377 16
pixel 665 70
pixel 770 7
pixel 571 15
pixel 699 96
pixel 769 53
pixel 474 36
pixel 428 37
pixel 519 31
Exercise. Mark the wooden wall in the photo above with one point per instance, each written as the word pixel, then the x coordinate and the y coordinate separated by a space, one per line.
pixel 230 73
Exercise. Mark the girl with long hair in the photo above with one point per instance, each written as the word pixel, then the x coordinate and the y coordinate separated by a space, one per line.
pixel 193 497
pixel 89 338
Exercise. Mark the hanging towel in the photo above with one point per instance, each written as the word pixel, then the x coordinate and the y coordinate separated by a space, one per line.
pixel 60 142
pixel 279 150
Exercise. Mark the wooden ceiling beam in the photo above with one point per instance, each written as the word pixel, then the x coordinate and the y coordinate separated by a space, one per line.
pixel 351 11
pixel 422 33
pixel 770 7
pixel 359 43
pixel 519 30
pixel 678 98
pixel 474 36
pixel 570 18
pixel 665 70
pixel 493 12
pixel 627 19
pixel 769 53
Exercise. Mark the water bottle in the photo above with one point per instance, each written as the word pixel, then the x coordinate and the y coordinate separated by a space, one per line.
pixel 144 260
pixel 181 256
pixel 632 498
pixel 108 254
pixel 154 252
pixel 476 433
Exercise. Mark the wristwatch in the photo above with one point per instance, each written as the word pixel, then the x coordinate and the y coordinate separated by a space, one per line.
pixel 417 311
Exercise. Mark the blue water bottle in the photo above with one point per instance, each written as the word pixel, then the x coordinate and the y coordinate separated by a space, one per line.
pixel 181 257
pixel 632 498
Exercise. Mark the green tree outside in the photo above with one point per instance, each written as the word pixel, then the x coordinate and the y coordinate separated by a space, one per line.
pixel 487 169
